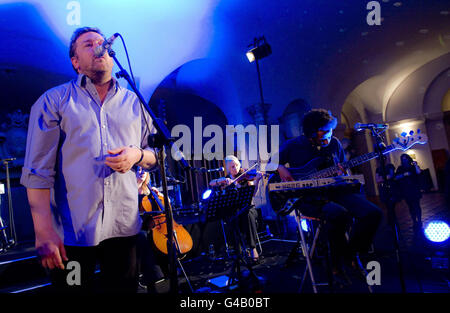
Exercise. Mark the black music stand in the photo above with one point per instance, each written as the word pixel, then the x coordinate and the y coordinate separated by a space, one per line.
pixel 229 204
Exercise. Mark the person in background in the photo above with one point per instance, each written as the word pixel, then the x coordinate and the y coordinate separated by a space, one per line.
pixel 409 188
pixel 388 190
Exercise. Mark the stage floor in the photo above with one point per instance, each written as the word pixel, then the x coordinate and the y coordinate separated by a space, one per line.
pixel 416 252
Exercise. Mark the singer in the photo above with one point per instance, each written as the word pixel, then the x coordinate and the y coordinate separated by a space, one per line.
pixel 84 138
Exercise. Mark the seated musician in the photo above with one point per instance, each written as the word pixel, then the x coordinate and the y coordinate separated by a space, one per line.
pixel 337 208
pixel 247 221
pixel 146 258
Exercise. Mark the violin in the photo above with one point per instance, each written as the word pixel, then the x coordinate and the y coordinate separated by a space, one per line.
pixel 250 175
pixel 182 239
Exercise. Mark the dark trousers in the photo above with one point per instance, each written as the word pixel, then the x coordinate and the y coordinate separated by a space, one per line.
pixel 340 212
pixel 147 259
pixel 414 209
pixel 117 261
pixel 248 226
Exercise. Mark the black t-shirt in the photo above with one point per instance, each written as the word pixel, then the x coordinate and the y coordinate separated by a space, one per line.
pixel 299 151
pixel 388 192
pixel 409 185
pixel 390 170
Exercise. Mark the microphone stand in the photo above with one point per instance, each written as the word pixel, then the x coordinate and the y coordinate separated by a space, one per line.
pixel 8 243
pixel 379 148
pixel 160 141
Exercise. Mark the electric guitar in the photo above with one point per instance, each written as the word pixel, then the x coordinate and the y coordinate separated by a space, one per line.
pixel 311 170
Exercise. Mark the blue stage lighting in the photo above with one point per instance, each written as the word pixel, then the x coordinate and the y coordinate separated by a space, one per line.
pixel 437 231
pixel 206 194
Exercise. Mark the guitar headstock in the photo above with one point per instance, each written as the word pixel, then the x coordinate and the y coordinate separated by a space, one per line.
pixel 407 140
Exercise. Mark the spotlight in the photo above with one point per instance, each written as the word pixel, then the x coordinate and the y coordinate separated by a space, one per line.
pixel 437 231
pixel 304 224
pixel 206 194
pixel 260 50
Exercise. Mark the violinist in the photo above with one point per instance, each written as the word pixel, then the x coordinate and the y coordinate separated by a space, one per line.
pixel 247 221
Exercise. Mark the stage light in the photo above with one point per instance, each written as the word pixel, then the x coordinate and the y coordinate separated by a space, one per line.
pixel 250 56
pixel 206 194
pixel 304 225
pixel 260 50
pixel 437 231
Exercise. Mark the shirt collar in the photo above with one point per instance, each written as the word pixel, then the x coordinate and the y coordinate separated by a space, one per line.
pixel 83 80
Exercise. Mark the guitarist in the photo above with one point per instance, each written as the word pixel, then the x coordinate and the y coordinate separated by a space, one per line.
pixel 337 208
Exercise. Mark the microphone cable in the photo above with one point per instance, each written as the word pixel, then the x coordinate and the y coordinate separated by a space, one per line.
pixel 134 81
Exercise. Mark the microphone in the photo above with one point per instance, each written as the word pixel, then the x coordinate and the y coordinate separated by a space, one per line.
pixel 105 46
pixel 205 170
pixel 175 181
pixel 8 160
pixel 360 126
pixel 177 155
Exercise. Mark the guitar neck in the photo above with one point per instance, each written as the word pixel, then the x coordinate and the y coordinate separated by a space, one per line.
pixel 333 170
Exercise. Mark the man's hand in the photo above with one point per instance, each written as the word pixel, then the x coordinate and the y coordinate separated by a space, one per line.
pixel 49 245
pixel 51 250
pixel 342 171
pixel 284 173
pixel 418 170
pixel 124 159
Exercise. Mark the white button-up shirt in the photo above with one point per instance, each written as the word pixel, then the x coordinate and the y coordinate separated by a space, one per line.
pixel 69 134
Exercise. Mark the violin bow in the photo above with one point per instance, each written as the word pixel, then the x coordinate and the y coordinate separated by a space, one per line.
pixel 245 172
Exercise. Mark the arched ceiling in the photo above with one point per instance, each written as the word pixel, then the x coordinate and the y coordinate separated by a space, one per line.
pixel 322 50
pixel 399 93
